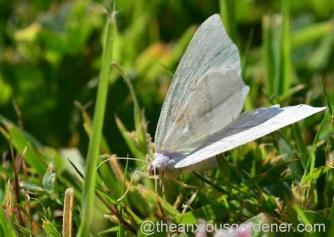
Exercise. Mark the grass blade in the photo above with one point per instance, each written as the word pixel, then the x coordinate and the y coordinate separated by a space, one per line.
pixel 329 104
pixel 285 50
pixel 67 213
pixel 228 14
pixel 138 118
pixel 301 148
pixel 312 156
pixel 270 26
pixel 311 33
pixel 277 51
pixel 88 195
pixel 5 227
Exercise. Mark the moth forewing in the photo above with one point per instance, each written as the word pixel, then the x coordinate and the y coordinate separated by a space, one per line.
pixel 249 127
pixel 211 60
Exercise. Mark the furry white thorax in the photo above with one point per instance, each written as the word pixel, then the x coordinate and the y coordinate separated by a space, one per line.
pixel 163 164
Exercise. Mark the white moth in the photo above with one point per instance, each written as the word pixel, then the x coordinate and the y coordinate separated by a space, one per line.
pixel 200 116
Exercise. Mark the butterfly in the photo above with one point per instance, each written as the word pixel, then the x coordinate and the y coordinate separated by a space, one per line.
pixel 200 117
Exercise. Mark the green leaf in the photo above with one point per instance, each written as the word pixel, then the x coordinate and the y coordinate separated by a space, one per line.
pixel 88 195
pixel 228 14
pixel 6 229
pixel 50 229
pixel 20 139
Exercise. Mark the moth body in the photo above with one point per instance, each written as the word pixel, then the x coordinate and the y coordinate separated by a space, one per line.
pixel 164 163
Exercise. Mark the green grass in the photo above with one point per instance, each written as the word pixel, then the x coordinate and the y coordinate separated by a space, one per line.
pixel 88 194
pixel 80 93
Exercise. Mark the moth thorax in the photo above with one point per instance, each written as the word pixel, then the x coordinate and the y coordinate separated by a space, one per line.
pixel 160 163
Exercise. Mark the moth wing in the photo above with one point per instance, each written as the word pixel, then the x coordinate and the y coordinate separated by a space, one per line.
pixel 212 104
pixel 206 93
pixel 249 127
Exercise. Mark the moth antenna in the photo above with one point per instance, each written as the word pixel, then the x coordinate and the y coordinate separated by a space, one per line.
pixel 128 187
pixel 117 158
pixel 131 182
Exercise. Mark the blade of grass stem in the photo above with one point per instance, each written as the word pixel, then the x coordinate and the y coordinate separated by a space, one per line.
pixel 138 118
pixel 329 105
pixel 311 33
pixel 88 195
pixel 285 49
pixel 67 213
pixel 228 14
pixel 312 156
pixel 6 229
pixel 300 145
pixel 270 26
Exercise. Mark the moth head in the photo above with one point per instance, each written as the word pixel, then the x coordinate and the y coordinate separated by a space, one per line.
pixel 159 164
